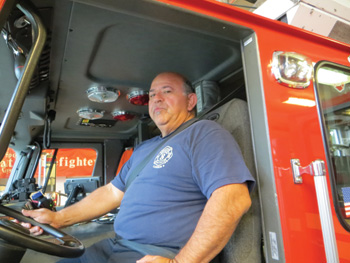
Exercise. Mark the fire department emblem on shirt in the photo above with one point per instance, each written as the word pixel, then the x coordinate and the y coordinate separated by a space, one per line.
pixel 163 157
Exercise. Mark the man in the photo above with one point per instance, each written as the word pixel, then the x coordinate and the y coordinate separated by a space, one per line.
pixel 185 203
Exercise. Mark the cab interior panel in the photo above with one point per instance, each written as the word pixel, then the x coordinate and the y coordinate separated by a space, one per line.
pixel 124 47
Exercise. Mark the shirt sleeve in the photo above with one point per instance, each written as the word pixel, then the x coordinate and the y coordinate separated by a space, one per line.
pixel 217 161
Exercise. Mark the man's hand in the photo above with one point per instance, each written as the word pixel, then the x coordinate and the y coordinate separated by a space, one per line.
pixel 35 230
pixel 42 215
pixel 155 259
pixel 92 206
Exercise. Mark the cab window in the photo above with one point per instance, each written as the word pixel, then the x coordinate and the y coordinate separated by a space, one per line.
pixel 333 88
pixel 6 166
pixel 56 166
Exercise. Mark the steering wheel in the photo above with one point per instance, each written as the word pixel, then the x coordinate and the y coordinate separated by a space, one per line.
pixel 63 245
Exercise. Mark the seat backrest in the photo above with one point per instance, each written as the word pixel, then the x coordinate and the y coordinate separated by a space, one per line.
pixel 125 157
pixel 245 244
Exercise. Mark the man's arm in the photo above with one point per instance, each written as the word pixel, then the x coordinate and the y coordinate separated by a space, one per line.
pixel 220 218
pixel 96 204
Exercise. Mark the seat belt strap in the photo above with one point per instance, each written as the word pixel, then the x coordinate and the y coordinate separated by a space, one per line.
pixel 146 249
pixel 136 171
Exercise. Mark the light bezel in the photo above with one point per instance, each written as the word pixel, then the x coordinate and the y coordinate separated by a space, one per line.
pixel 117 113
pixel 278 69
pixel 108 91
pixel 90 114
pixel 136 93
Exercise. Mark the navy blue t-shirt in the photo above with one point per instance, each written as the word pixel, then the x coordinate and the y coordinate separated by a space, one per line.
pixel 163 204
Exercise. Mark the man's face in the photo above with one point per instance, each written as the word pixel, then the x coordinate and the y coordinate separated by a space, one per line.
pixel 169 105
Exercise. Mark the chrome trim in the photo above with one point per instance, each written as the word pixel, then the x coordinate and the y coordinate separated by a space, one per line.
pixel 295 163
pixel 108 91
pixel 81 112
pixel 324 207
pixel 122 112
pixel 135 93
pixel 318 168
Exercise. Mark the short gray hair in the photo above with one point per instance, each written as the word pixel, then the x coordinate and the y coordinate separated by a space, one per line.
pixel 188 87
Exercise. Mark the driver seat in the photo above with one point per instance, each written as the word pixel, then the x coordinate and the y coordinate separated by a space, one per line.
pixel 245 244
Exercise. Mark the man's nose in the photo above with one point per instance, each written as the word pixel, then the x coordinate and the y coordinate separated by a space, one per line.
pixel 157 97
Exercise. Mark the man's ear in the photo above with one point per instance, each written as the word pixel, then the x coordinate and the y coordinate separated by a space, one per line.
pixel 192 101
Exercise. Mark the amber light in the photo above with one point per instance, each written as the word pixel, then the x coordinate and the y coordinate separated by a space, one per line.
pixel 138 98
pixel 123 116
pixel 90 114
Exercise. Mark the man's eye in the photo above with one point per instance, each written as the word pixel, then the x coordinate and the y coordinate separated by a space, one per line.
pixel 167 91
pixel 151 95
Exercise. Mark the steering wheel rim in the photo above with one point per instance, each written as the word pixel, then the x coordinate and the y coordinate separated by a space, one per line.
pixel 67 246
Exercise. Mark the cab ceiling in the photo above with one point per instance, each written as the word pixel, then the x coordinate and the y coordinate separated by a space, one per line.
pixel 115 44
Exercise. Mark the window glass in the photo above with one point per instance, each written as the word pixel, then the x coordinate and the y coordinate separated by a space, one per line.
pixel 333 87
pixel 6 166
pixel 68 163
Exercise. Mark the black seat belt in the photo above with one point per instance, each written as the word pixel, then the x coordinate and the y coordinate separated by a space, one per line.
pixel 136 171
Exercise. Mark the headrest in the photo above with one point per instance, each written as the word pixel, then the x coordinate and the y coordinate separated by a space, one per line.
pixel 208 95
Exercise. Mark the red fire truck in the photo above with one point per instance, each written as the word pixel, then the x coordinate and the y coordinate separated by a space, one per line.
pixel 75 74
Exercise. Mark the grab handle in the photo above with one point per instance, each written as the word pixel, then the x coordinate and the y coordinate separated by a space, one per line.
pixel 15 105
pixel 317 169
